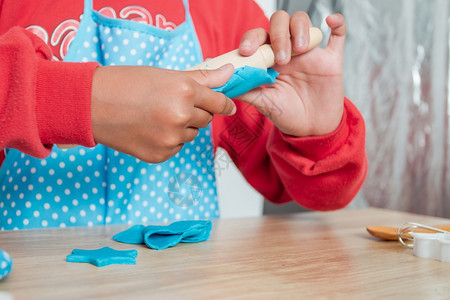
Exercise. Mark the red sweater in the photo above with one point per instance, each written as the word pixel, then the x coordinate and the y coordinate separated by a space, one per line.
pixel 45 102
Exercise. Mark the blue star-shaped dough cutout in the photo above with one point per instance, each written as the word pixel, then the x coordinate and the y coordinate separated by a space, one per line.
pixel 103 256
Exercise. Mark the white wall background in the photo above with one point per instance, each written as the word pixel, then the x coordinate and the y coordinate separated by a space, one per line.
pixel 236 197
pixel 269 6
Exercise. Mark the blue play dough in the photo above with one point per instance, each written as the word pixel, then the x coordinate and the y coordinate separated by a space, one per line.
pixel 245 79
pixel 132 235
pixel 162 237
pixel 5 264
pixel 103 256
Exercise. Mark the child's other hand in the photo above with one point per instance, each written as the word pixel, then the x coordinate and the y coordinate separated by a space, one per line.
pixel 308 96
pixel 150 113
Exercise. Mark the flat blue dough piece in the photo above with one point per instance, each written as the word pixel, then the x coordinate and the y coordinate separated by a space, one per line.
pixel 245 79
pixel 132 235
pixel 162 237
pixel 103 256
pixel 5 264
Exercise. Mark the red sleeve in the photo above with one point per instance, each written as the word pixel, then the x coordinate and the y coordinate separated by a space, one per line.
pixel 321 172
pixel 42 102
pixel 220 24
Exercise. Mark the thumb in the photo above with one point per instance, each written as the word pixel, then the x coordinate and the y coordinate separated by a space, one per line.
pixel 338 32
pixel 212 78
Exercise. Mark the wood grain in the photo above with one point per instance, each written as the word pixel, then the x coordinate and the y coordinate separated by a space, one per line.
pixel 307 256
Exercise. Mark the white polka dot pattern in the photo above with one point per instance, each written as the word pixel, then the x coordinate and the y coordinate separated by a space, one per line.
pixel 5 264
pixel 86 187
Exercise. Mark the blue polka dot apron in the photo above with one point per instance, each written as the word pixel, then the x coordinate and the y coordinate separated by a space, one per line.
pixel 94 186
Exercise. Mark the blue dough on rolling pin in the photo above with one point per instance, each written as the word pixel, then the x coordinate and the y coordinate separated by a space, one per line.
pixel 103 256
pixel 162 237
pixel 245 79
pixel 5 264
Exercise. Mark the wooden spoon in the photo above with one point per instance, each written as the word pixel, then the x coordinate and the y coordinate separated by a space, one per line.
pixel 391 233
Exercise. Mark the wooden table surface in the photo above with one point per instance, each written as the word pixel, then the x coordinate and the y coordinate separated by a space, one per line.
pixel 300 256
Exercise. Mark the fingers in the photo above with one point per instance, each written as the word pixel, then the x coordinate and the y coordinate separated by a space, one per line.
pixel 189 135
pixel 251 40
pixel 207 99
pixel 299 27
pixel 286 33
pixel 338 32
pixel 212 78
pixel 289 34
pixel 215 103
pixel 280 37
pixel 200 119
pixel 168 154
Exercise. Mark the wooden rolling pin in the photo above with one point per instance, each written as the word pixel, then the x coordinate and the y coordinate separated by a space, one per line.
pixel 391 233
pixel 263 58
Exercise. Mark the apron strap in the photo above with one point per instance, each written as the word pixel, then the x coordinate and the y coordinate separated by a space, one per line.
pixel 88 6
pixel 187 14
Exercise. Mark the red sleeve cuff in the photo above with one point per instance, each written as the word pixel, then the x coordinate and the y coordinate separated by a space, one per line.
pixel 316 148
pixel 63 102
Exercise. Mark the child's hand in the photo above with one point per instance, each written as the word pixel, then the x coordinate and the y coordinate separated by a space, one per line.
pixel 150 113
pixel 308 96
